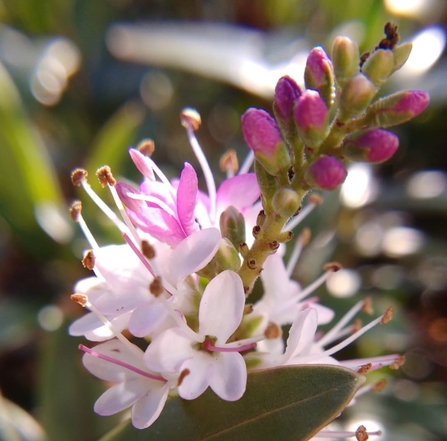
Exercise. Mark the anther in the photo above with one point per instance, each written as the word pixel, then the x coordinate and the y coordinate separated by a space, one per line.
pixel 105 176
pixel 387 316
pixel 364 369
pixel 182 375
pixel 146 147
pixel 398 363
pixel 190 118
pixel 361 434
pixel 367 306
pixel 156 287
pixel 82 299
pixel 315 199
pixel 228 162
pixel 88 261
pixel 272 331
pixel 78 175
pixel 380 385
pixel 332 266
pixel 147 249
pixel 75 210
pixel 305 236
pixel 356 325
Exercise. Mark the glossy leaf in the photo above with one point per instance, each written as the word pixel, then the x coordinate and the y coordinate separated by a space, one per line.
pixel 290 403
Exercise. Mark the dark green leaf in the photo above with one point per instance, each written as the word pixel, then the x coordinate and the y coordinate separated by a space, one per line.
pixel 289 404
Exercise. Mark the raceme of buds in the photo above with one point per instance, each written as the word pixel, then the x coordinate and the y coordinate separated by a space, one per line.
pixel 379 66
pixel 262 135
pixel 345 59
pixel 312 118
pixel 375 145
pixel 326 173
pixel 356 96
pixel 397 108
pixel 319 75
pixel 287 93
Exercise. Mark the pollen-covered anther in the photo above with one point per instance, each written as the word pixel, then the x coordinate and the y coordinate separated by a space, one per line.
pixel 332 266
pixel 364 369
pixel 190 118
pixel 228 162
pixel 82 299
pixel 305 236
pixel 88 261
pixel 361 434
pixel 398 363
pixel 75 210
pixel 379 386
pixel 146 147
pixel 315 199
pixel 272 331
pixel 367 306
pixel 105 176
pixel 387 316
pixel 156 287
pixel 356 325
pixel 182 375
pixel 147 249
pixel 78 176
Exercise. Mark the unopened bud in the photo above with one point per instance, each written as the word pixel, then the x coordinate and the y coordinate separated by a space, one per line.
pixel 319 75
pixel 345 59
pixel 325 173
pixel 232 225
pixel 287 93
pixel 371 146
pixel 397 108
pixel 401 54
pixel 356 96
pixel 227 256
pixel 379 66
pixel 312 118
pixel 286 202
pixel 262 135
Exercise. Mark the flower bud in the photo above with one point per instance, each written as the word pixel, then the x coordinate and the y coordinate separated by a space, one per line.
pixel 345 59
pixel 227 256
pixel 397 108
pixel 319 75
pixel 371 146
pixel 401 54
pixel 287 93
pixel 312 118
pixel 262 135
pixel 356 96
pixel 379 66
pixel 325 173
pixel 286 202
pixel 232 225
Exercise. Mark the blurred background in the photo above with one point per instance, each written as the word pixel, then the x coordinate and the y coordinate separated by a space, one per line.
pixel 82 80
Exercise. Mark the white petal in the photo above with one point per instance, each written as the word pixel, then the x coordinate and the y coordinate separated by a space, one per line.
pixel 192 254
pixel 146 317
pixel 121 396
pixel 198 379
pixel 222 305
pixel 169 350
pixel 93 329
pixel 229 376
pixel 302 334
pixel 148 408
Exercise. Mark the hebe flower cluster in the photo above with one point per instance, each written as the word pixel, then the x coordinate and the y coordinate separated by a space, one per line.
pixel 181 281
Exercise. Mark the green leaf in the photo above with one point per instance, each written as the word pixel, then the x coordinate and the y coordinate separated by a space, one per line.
pixel 290 403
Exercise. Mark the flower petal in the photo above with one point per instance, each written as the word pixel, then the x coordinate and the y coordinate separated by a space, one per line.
pixel 229 376
pixel 229 192
pixel 146 317
pixel 222 305
pixel 187 199
pixel 200 370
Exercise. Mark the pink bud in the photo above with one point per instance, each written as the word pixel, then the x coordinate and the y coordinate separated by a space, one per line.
pixel 260 131
pixel 373 146
pixel 317 66
pixel 287 93
pixel 414 101
pixel 325 173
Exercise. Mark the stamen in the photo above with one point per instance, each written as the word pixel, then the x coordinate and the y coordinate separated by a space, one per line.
pixel 78 176
pixel 245 167
pixel 82 299
pixel 301 242
pixel 153 200
pixel 105 176
pixel 398 363
pixel 146 147
pixel 121 363
pixel 318 282
pixel 139 254
pixel 373 387
pixel 272 331
pixel 189 121
pixel 76 215
pixel 228 163
pixel 88 261
pixel 156 287
pixel 376 362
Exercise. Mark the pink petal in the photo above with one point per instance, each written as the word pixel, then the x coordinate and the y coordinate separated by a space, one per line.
pixel 239 191
pixel 148 408
pixel 222 305
pixel 187 199
pixel 229 376
pixel 142 163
